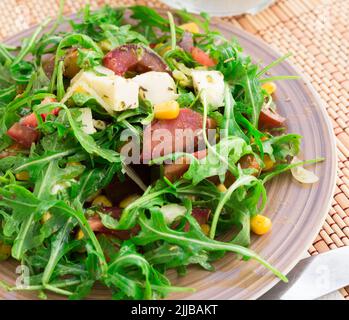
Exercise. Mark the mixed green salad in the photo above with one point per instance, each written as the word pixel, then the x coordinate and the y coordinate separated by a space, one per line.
pixel 75 211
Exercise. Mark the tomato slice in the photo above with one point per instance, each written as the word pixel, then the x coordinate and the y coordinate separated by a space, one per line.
pixel 269 119
pixel 55 112
pixel 202 57
pixel 29 121
pixel 24 135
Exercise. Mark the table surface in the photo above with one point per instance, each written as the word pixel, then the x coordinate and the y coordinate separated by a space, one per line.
pixel 315 31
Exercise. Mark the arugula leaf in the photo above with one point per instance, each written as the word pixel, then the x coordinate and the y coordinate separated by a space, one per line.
pixel 96 179
pixel 281 168
pixel 88 143
pixel 172 256
pixel 155 228
pixel 243 181
pixel 280 147
pixel 230 126
pixel 231 148
pixel 88 59
pixel 27 210
pixel 68 41
pixel 57 249
pixel 93 20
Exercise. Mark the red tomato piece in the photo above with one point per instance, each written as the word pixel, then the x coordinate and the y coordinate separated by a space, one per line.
pixel 29 121
pixel 24 135
pixel 202 57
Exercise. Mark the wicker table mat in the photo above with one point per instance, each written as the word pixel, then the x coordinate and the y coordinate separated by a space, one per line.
pixel 315 30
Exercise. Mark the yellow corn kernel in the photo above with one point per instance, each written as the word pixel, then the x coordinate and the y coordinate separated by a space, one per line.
pixel 72 164
pixel 105 45
pixel 79 235
pixel 252 140
pixel 222 188
pixel 80 90
pixel 22 176
pixel 102 201
pixel 128 200
pixel 260 224
pixel 167 110
pixel 5 251
pixel 268 163
pixel 190 27
pixel 164 50
pixel 205 229
pixel 46 217
pixel 191 198
pixel 269 87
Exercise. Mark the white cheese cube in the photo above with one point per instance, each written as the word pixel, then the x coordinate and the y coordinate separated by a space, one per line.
pixel 157 87
pixel 112 92
pixel 126 94
pixel 210 84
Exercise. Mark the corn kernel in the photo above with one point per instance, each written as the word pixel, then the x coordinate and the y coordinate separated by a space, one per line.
pixel 46 217
pixel 167 110
pixel 127 201
pixel 269 87
pixel 79 235
pixel 80 90
pixel 164 50
pixel 105 45
pixel 268 163
pixel 190 27
pixel 5 251
pixel 260 224
pixel 222 188
pixel 102 201
pixel 72 164
pixel 191 198
pixel 205 229
pixel 22 176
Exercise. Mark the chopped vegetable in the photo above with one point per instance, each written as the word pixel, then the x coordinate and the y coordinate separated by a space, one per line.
pixel 166 110
pixel 303 175
pixel 5 251
pixel 268 163
pixel 222 188
pixel 260 224
pixel 22 176
pixel 102 201
pixel 127 201
pixel 190 27
pixel 269 87
pixel 202 57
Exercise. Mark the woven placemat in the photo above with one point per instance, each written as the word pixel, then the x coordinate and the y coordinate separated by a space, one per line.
pixel 314 30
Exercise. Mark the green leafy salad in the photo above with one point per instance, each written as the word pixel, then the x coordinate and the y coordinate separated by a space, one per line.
pixel 97 182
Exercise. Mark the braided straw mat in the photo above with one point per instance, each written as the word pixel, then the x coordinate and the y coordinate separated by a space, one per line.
pixel 315 31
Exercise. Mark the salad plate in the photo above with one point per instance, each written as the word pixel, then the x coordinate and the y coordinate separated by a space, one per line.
pixel 296 210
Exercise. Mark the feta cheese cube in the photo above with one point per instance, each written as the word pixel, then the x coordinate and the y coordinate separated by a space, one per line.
pixel 112 92
pixel 157 87
pixel 210 84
